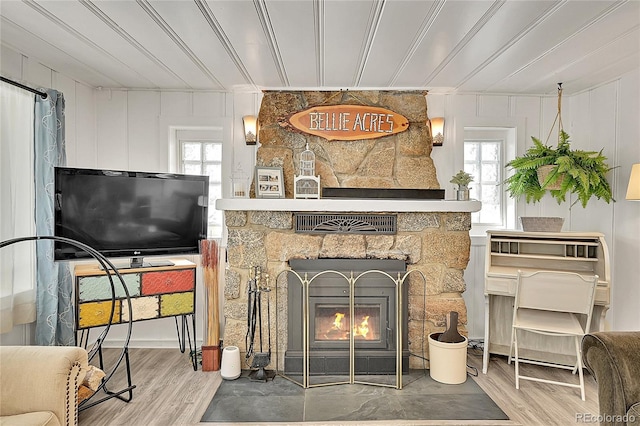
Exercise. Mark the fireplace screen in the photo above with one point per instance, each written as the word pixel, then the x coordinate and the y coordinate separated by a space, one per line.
pixel 333 322
pixel 327 308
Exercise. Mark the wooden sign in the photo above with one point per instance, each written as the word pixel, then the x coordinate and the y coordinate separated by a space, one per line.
pixel 349 122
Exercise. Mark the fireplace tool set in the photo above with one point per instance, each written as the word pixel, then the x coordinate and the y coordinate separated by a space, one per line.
pixel 260 359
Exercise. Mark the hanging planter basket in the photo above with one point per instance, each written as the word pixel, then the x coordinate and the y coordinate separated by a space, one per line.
pixel 543 173
pixel 561 170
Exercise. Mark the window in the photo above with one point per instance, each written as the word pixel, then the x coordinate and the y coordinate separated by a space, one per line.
pixel 200 153
pixel 482 159
pixel 485 158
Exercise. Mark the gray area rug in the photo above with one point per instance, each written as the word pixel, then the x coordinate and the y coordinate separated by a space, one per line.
pixel 281 400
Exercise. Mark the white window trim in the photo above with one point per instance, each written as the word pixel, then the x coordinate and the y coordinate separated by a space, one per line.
pixel 202 138
pixel 502 137
pixel 517 125
pixel 171 125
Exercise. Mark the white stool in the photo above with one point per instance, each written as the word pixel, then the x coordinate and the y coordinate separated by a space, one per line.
pixel 230 365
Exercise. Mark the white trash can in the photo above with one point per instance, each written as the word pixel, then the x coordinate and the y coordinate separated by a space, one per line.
pixel 447 361
pixel 230 364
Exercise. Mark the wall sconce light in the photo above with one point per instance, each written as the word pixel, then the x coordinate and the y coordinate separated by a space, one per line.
pixel 633 190
pixel 250 123
pixel 437 130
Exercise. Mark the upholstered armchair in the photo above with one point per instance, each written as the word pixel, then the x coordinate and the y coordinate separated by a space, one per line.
pixel 39 384
pixel 613 358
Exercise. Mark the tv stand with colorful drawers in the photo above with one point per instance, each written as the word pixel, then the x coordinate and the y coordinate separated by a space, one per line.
pixel 155 292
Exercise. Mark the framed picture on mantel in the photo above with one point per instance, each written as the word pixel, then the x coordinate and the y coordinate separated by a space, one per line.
pixel 269 182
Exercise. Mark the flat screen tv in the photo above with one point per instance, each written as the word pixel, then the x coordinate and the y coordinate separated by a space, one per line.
pixel 129 214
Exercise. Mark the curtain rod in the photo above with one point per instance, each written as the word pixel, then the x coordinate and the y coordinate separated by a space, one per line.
pixel 22 86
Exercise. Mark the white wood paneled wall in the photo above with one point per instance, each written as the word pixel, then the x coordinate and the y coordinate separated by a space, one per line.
pixel 604 117
pixel 125 129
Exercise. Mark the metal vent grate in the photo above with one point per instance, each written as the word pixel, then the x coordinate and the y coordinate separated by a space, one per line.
pixel 325 223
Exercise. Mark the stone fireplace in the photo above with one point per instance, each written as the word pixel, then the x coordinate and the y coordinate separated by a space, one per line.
pixel 432 236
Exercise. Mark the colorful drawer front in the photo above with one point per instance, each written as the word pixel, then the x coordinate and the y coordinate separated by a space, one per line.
pixel 94 314
pixel 176 304
pixel 168 282
pixel 99 288
pixel 142 308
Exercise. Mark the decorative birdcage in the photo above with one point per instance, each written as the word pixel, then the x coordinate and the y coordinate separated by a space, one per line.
pixel 307 162
pixel 307 184
pixel 306 187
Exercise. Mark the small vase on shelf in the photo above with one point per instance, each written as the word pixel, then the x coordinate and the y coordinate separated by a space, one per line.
pixel 462 179
pixel 462 194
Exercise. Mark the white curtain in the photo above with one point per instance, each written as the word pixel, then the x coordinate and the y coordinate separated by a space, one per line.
pixel 17 261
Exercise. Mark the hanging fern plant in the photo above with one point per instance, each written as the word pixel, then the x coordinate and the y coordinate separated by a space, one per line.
pixel 574 171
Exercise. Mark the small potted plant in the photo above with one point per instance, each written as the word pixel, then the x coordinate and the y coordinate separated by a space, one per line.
pixel 462 179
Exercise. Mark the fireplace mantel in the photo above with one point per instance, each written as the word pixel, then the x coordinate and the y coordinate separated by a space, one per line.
pixel 346 205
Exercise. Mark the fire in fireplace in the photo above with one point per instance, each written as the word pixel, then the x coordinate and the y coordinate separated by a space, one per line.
pixel 375 308
pixel 332 323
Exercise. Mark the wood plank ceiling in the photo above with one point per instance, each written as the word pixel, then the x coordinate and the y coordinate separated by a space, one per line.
pixel 460 46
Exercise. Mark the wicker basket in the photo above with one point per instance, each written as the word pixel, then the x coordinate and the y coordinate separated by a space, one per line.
pixel 541 224
pixel 543 172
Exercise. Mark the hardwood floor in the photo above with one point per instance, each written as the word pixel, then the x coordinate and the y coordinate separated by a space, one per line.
pixel 170 392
